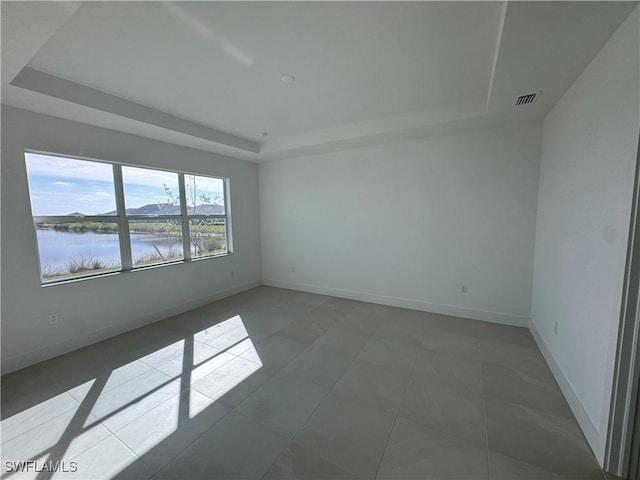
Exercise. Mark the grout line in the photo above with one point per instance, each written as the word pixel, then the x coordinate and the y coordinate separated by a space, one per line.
pixel 406 389
pixel 386 447
pixel 77 407
pixel 484 409
pixel 181 452
pixel 329 390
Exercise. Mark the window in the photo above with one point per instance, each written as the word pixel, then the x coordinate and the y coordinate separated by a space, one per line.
pixel 206 211
pixel 153 215
pixel 93 217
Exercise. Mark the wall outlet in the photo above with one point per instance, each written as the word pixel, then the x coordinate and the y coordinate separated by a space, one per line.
pixel 555 328
pixel 463 289
pixel 293 269
pixel 53 318
pixel 233 273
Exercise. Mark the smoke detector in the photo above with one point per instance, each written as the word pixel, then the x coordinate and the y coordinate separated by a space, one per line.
pixel 527 99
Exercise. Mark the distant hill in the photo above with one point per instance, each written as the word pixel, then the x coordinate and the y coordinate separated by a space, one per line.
pixel 167 209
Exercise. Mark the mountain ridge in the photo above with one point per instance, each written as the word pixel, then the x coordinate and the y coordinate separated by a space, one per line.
pixel 165 209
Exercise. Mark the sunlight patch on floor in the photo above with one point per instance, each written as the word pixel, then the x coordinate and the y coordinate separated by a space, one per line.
pixel 145 401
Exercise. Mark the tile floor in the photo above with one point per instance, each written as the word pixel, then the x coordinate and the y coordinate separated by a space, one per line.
pixel 275 383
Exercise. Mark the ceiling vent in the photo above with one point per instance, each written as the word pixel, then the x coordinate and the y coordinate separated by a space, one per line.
pixel 527 99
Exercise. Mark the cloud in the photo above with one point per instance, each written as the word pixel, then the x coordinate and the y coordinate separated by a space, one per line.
pixel 57 168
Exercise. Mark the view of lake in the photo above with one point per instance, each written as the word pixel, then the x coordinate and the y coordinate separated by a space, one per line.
pixel 58 248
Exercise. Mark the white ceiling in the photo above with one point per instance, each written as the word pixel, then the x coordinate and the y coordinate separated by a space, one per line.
pixel 207 74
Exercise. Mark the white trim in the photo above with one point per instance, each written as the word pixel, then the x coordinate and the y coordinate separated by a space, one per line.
pixel 586 423
pixel 36 356
pixel 45 83
pixel 484 315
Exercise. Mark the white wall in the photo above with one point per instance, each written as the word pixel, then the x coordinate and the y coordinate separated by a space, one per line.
pixel 408 223
pixel 101 307
pixel 584 202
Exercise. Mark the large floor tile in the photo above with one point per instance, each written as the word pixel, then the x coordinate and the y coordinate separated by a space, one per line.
pixel 61 438
pixel 419 452
pixel 238 389
pixel 399 333
pixel 179 349
pixel 189 371
pixel 446 341
pixel 526 359
pixel 458 372
pixel 379 312
pixel 536 390
pixel 505 333
pixel 343 342
pixel 550 442
pixel 455 325
pixel 274 352
pixel 111 379
pixel 32 417
pixel 283 403
pixel 161 434
pixel 342 305
pixel 288 312
pixel 236 447
pixel 29 387
pixel 373 385
pixel 210 333
pixel 320 366
pixel 302 331
pixel 123 404
pixel 232 382
pixel 388 353
pixel 507 468
pixel 347 434
pixel 229 339
pixel 324 317
pixel 358 323
pixel 297 462
pixel 109 458
pixel 443 407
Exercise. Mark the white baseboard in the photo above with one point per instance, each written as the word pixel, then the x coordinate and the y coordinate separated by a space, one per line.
pixel 494 317
pixel 589 429
pixel 36 356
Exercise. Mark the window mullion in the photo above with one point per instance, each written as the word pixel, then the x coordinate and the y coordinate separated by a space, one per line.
pixel 123 223
pixel 186 240
pixel 227 212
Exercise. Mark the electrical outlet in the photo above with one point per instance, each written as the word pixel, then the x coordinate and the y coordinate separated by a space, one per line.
pixel 463 289
pixel 53 318
pixel 233 273
pixel 555 328
pixel 293 269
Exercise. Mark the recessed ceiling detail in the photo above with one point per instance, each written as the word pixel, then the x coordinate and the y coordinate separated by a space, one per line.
pixel 41 82
pixel 202 74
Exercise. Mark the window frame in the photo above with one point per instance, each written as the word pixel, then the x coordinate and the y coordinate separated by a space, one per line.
pixel 122 219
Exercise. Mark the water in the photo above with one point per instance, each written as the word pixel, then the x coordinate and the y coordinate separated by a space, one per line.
pixel 58 248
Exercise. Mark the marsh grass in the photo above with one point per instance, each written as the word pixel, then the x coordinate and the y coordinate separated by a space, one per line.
pixel 158 256
pixel 77 267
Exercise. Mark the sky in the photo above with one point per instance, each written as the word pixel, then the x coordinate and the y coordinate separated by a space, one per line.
pixel 60 186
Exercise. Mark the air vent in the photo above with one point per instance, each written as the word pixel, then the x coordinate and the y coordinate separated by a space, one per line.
pixel 527 99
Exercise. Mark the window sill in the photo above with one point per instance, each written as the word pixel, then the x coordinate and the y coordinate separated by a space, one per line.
pixel 133 270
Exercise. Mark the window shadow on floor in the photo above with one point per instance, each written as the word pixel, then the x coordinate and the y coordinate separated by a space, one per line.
pixel 128 405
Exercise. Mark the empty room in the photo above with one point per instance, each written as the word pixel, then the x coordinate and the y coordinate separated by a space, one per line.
pixel 320 240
